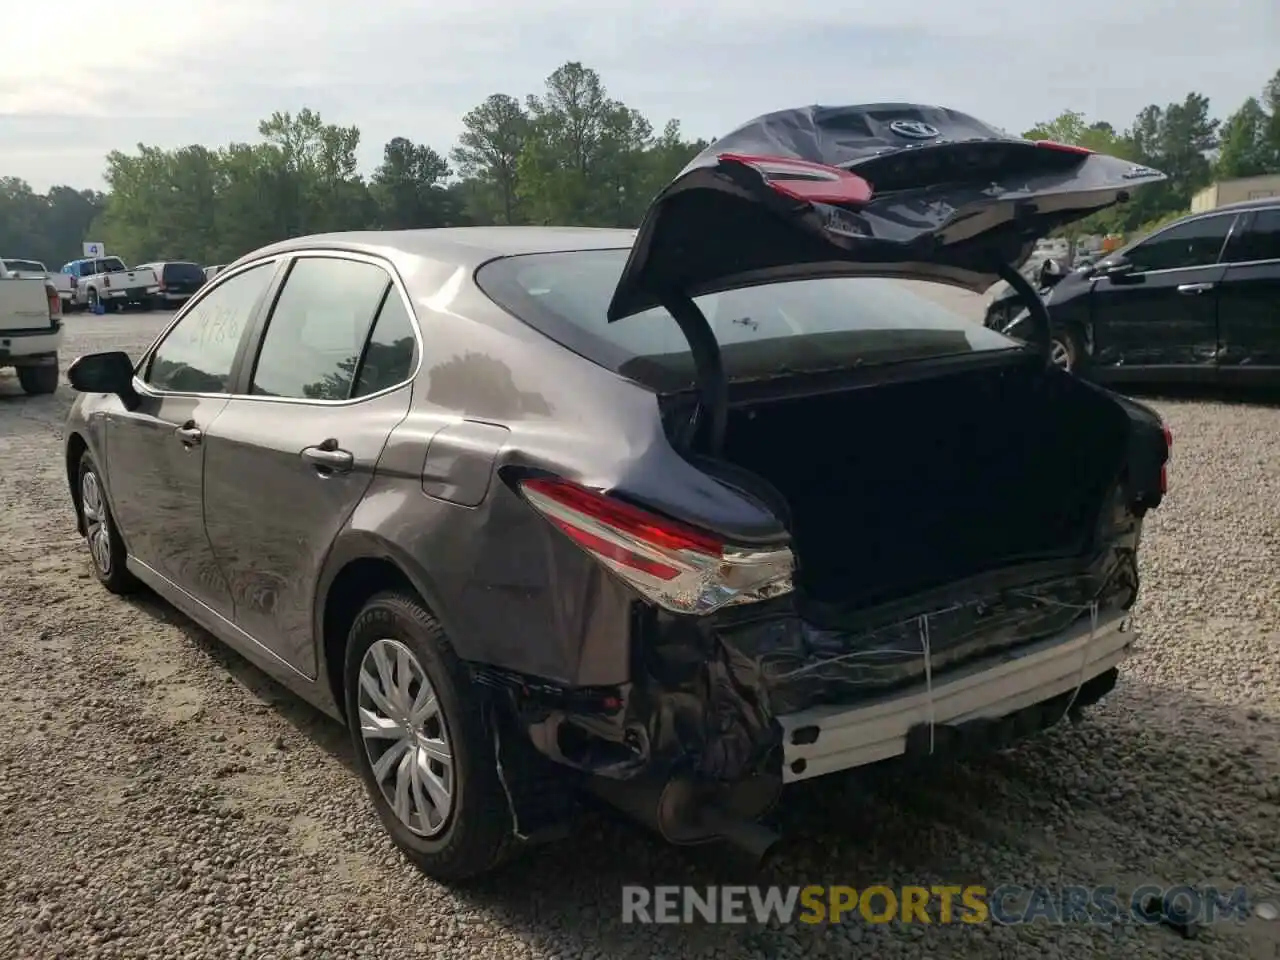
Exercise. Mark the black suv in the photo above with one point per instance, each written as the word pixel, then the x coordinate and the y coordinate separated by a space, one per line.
pixel 1198 300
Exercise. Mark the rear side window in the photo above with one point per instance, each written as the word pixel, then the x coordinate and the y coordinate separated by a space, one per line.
pixel 317 331
pixel 198 352
pixel 1262 240
pixel 182 273
pixel 767 330
pixel 391 351
pixel 1196 243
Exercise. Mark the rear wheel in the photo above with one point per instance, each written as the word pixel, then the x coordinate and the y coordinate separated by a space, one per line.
pixel 41 379
pixel 422 743
pixel 91 300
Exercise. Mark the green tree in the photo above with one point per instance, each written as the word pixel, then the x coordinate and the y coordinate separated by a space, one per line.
pixel 1246 149
pixel 47 227
pixel 409 187
pixel 571 169
pixel 488 156
pixel 321 188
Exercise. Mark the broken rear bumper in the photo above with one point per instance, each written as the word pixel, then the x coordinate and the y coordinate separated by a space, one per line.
pixel 827 739
pixel 720 712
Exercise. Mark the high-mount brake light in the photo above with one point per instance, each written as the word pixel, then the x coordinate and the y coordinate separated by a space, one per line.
pixel 678 567
pixel 803 180
pixel 1063 147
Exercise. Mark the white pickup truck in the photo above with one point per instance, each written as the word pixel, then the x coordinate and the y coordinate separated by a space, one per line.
pixel 108 281
pixel 28 269
pixel 30 330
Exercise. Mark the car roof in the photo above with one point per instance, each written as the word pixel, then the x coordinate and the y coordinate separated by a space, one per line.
pixel 459 246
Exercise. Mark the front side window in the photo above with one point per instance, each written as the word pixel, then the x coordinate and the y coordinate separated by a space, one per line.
pixel 317 331
pixel 198 352
pixel 1196 243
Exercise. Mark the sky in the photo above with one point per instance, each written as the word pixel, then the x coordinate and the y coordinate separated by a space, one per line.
pixel 206 71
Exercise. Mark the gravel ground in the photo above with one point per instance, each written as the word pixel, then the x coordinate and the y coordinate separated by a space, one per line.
pixel 161 798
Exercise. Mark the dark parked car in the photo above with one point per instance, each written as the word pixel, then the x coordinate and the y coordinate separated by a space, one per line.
pixel 1197 300
pixel 676 516
pixel 179 280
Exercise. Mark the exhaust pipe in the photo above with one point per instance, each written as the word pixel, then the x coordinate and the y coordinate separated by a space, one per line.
pixel 749 836
pixel 684 813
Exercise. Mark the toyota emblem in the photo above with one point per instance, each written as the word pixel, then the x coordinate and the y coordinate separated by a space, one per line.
pixel 914 129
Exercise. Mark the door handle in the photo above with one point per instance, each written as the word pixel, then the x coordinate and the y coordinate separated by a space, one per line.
pixel 1192 289
pixel 328 459
pixel 189 434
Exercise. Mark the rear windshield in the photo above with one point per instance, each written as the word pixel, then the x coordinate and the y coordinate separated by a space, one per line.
pixel 183 273
pixel 24 266
pixel 764 331
pixel 111 265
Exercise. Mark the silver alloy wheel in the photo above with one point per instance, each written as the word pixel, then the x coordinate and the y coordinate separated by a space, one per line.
pixel 97 530
pixel 405 737
pixel 1059 354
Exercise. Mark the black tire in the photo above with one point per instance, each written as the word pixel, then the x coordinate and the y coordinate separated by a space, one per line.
pixel 477 833
pixel 38 380
pixel 91 300
pixel 111 573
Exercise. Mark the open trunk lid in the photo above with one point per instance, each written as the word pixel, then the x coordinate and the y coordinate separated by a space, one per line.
pixel 892 190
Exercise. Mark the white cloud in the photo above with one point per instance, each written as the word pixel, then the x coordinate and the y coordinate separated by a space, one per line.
pixel 208 70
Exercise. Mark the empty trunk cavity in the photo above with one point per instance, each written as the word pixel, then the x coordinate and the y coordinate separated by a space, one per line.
pixel 902 487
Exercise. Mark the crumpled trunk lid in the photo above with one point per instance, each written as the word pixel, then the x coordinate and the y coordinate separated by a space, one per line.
pixel 896 190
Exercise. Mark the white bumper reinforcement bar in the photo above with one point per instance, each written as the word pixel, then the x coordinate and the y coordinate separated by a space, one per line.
pixel 994 687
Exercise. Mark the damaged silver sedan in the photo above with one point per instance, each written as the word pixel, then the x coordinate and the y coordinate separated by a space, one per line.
pixel 674 516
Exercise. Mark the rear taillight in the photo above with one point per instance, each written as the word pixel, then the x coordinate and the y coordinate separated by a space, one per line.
pixel 1062 147
pixel 802 180
pixel 1164 467
pixel 55 301
pixel 106 281
pixel 678 567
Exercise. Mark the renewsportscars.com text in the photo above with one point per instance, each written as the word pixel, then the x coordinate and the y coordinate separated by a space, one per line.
pixel 938 904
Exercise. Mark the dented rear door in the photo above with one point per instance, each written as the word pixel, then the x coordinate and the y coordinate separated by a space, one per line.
pixel 1162 319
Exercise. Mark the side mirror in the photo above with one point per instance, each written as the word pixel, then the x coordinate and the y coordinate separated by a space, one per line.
pixel 110 372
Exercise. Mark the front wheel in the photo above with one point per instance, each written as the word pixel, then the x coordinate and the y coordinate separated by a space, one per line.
pixel 41 379
pixel 1064 350
pixel 422 743
pixel 107 553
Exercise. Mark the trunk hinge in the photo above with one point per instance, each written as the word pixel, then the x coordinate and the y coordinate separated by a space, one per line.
pixel 1035 306
pixel 708 365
